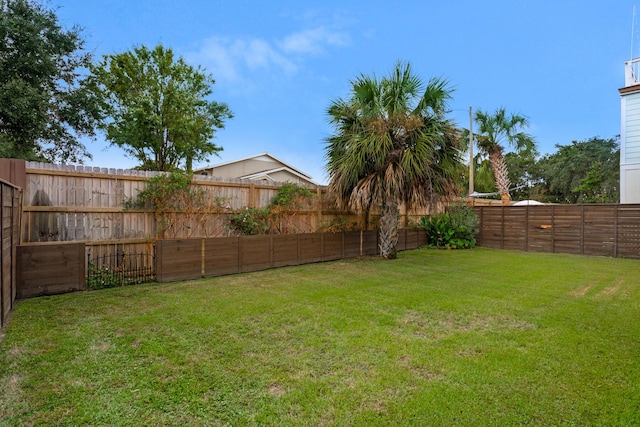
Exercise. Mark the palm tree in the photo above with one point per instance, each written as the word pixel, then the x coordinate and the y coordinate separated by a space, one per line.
pixel 494 132
pixel 392 145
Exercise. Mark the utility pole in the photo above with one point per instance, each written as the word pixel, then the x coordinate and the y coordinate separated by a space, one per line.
pixel 470 151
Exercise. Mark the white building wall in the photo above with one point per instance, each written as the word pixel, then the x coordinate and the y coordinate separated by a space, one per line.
pixel 630 148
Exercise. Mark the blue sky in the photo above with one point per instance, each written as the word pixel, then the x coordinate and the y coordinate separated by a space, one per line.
pixel 279 64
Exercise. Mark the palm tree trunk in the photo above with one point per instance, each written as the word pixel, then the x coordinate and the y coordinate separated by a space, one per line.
pixel 389 229
pixel 500 172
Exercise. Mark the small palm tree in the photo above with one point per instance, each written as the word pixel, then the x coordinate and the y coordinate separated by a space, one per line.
pixel 392 145
pixel 494 132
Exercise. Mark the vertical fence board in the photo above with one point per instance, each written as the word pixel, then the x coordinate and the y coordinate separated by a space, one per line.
pixel 10 210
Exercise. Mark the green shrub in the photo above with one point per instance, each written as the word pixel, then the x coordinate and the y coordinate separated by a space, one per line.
pixel 455 229
pixel 274 218
pixel 250 221
pixel 337 225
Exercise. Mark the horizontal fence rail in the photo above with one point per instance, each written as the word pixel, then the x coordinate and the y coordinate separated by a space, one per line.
pixel 601 230
pixel 196 258
pixel 67 267
pixel 50 270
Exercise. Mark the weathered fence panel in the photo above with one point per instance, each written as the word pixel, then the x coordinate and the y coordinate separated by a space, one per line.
pixel 194 258
pixel 285 250
pixel 178 259
pixel 539 226
pixel 255 253
pixel 411 238
pixel 10 209
pixel 64 203
pixel 601 230
pixel 222 256
pixel 50 269
pixel 311 247
pixel 628 242
pixel 332 246
pixel 513 234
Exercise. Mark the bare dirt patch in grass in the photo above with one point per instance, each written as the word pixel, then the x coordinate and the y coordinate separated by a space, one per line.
pixel 440 325
pixel 276 389
pixel 611 290
pixel 580 292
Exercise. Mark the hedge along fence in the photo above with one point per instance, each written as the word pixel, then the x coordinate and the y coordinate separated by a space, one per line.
pixel 604 230
pixel 196 258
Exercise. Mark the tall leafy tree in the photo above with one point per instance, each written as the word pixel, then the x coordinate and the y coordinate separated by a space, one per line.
pixel 581 172
pixel 392 145
pixel 44 102
pixel 158 107
pixel 495 132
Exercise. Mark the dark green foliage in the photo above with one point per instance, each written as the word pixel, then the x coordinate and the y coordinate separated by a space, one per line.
pixel 455 229
pixel 250 221
pixel 102 277
pixel 290 196
pixel 44 101
pixel 582 172
pixel 174 200
pixel 274 217
pixel 166 192
pixel 392 144
pixel 108 276
pixel 160 107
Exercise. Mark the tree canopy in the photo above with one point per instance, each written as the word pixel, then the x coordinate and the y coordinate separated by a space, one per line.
pixel 392 144
pixel 495 132
pixel 44 102
pixel 158 107
pixel 581 172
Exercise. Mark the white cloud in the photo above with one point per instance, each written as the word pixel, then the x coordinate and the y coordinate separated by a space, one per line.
pixel 258 54
pixel 234 60
pixel 216 57
pixel 229 60
pixel 313 41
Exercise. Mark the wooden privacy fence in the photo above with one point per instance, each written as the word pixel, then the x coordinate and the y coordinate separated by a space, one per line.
pixel 77 203
pixel 195 258
pixel 50 270
pixel 604 230
pixel 55 269
pixel 10 201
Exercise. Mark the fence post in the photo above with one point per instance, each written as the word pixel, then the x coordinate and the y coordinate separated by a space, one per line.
pixel 553 229
pixel 615 231
pixel 581 229
pixel 202 258
pixel 158 260
pixel 526 228
pixel 502 227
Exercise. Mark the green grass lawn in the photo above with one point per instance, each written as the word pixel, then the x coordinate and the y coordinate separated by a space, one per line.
pixel 456 338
